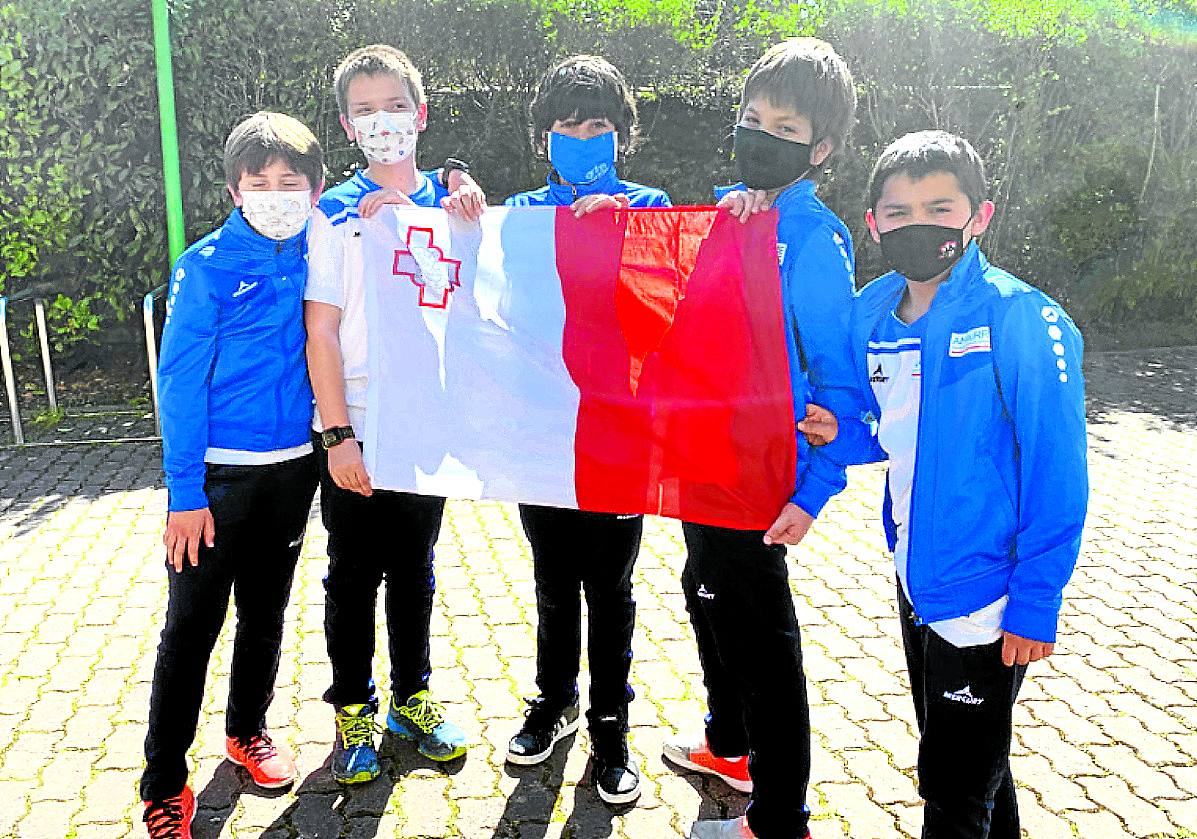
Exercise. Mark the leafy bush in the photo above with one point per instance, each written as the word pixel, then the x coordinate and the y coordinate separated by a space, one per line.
pixel 1087 166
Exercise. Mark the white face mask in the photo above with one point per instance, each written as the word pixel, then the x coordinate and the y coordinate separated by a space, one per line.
pixel 277 215
pixel 386 136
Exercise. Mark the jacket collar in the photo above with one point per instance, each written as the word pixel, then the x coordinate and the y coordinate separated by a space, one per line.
pixel 565 194
pixel 239 247
pixel 795 192
pixel 965 273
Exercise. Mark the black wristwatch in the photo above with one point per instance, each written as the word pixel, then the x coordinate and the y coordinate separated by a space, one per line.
pixel 449 165
pixel 330 437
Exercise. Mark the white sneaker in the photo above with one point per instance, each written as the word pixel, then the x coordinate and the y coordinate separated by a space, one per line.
pixel 730 829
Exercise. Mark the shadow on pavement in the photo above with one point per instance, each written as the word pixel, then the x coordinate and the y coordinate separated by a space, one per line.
pixel 324 809
pixel 36 482
pixel 530 805
pixel 1161 382
pixel 719 801
pixel 215 803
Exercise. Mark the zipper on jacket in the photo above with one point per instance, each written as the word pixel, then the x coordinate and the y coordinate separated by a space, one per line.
pixel 918 436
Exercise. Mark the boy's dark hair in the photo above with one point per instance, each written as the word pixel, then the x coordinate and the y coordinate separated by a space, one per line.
pixel 267 136
pixel 922 153
pixel 583 87
pixel 371 61
pixel 807 76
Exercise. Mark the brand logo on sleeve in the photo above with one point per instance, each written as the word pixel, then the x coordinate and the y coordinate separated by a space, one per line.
pixel 974 340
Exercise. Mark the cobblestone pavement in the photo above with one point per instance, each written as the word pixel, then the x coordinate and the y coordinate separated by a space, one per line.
pixel 1106 742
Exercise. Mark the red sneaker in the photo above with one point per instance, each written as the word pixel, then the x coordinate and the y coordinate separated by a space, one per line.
pixel 269 766
pixel 171 817
pixel 696 754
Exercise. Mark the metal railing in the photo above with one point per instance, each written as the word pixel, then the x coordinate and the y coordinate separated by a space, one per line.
pixel 151 349
pixel 43 339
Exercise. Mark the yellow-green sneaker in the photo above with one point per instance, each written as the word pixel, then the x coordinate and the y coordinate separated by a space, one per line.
pixel 423 720
pixel 354 758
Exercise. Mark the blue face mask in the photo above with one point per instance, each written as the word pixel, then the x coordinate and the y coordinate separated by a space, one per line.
pixel 582 162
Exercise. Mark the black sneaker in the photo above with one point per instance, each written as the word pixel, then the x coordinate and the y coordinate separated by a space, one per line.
pixel 615 774
pixel 544 726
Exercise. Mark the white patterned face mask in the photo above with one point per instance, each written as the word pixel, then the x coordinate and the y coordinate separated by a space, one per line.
pixel 386 137
pixel 278 214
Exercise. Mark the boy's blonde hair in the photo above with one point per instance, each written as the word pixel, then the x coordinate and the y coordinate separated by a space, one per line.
pixel 809 77
pixel 266 136
pixel 371 61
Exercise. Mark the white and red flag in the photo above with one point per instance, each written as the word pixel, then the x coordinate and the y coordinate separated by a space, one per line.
pixel 629 362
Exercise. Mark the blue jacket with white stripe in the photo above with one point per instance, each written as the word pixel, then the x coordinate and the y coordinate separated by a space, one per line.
pixel 1001 485
pixel 232 372
pixel 814 251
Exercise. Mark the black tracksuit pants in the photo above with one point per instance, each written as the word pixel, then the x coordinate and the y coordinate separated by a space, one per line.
pixel 576 552
pixel 389 535
pixel 738 595
pixel 260 514
pixel 964 703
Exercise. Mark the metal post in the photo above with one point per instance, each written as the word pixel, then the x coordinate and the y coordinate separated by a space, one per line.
pixel 43 338
pixel 151 350
pixel 10 382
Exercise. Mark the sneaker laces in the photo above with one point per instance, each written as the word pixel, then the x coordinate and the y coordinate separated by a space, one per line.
pixel 164 819
pixel 356 731
pixel 540 715
pixel 426 713
pixel 257 748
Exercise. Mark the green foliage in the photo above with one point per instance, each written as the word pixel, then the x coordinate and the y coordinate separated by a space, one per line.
pixel 39 201
pixel 1091 178
pixel 68 322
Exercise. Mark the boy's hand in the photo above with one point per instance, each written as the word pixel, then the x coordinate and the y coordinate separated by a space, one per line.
pixel 373 201
pixel 820 426
pixel 1019 650
pixel 588 204
pixel 347 468
pixel 467 201
pixel 745 203
pixel 184 530
pixel 792 524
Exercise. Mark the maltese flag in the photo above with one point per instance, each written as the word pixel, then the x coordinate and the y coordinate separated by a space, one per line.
pixel 624 362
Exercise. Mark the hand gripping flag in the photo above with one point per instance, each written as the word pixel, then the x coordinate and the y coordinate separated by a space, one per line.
pixel 628 362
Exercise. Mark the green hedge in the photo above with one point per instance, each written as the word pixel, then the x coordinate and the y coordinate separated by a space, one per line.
pixel 1096 183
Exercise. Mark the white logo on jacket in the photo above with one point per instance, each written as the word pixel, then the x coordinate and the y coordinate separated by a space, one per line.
pixel 974 340
pixel 244 287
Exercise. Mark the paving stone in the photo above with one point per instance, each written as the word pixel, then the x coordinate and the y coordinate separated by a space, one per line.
pixel 1106 730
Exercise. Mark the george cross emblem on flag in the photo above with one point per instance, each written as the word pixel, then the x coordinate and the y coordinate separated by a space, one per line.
pixel 425 264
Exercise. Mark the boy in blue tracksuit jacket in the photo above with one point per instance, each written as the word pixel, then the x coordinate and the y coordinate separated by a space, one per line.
pixel 235 404
pixel 583 116
pixel 972 379
pixel 797 107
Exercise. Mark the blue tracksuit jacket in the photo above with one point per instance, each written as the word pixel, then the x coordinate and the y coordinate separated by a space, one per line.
pixel 232 373
pixel 1000 484
pixel 554 194
pixel 814 249
pixel 340 202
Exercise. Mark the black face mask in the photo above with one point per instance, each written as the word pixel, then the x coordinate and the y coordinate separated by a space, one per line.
pixel 921 252
pixel 767 162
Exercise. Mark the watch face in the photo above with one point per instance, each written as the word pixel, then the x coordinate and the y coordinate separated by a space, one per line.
pixel 328 438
